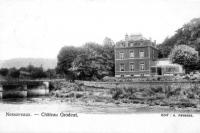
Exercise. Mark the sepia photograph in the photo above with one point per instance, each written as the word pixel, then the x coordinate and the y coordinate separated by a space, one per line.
pixel 99 66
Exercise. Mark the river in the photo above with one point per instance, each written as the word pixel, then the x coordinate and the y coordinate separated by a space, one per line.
pixel 91 118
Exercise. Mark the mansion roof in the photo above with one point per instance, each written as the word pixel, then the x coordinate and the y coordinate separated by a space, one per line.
pixel 135 40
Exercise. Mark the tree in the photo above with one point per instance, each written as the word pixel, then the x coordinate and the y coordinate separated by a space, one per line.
pixel 166 47
pixel 13 73
pixel 88 65
pixel 65 58
pixel 109 54
pixel 4 71
pixel 108 41
pixel 188 34
pixel 38 72
pixel 184 55
pixel 91 61
pixel 95 62
pixel 51 73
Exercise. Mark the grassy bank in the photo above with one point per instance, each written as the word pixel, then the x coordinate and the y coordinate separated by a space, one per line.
pixel 158 96
pixel 176 98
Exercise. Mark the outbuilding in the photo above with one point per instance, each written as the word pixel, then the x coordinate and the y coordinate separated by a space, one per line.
pixel 166 67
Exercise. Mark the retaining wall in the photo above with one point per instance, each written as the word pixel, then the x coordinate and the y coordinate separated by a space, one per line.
pixel 142 84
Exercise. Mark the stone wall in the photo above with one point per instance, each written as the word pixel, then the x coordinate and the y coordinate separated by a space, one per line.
pixel 142 84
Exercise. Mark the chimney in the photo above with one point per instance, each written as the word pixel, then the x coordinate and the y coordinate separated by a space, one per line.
pixel 155 42
pixel 126 40
pixel 126 37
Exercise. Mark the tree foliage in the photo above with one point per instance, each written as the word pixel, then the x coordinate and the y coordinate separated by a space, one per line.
pixel 65 58
pixel 188 34
pixel 30 72
pixel 109 54
pixel 14 73
pixel 91 62
pixel 4 71
pixel 95 62
pixel 184 55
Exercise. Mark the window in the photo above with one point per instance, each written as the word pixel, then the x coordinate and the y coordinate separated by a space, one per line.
pixel 171 69
pixel 142 54
pixel 121 55
pixel 153 70
pixel 131 66
pixel 131 44
pixel 131 54
pixel 142 66
pixel 122 67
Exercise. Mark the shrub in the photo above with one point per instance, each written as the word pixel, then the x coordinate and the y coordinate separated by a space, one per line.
pixel 184 55
pixel 191 96
pixel 78 95
pixel 130 90
pixel 118 93
pixel 156 90
pixel 4 71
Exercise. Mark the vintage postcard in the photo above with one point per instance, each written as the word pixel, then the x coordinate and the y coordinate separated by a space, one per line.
pixel 104 66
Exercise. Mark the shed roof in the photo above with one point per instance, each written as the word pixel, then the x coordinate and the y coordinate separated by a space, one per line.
pixel 165 62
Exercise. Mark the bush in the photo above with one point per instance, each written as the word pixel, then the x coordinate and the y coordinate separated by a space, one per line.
pixel 14 73
pixel 156 90
pixel 79 95
pixel 118 93
pixel 4 71
pixel 184 55
pixel 130 90
pixel 191 96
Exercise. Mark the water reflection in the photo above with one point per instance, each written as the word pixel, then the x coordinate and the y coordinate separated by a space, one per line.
pixel 13 101
pixel 22 100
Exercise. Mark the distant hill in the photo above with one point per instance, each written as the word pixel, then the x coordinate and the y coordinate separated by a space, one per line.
pixel 23 62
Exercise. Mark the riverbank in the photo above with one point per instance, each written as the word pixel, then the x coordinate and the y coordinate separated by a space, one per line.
pixel 142 99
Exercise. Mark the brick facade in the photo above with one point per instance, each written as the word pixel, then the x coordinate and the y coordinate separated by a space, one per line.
pixel 136 56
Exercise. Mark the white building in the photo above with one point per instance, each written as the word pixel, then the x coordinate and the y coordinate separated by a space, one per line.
pixel 166 67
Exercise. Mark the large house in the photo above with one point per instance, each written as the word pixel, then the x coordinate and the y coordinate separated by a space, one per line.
pixel 138 56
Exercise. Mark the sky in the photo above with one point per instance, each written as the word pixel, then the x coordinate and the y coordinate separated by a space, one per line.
pixel 40 28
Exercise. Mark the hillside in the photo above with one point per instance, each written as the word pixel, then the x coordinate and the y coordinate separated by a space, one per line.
pixel 188 34
pixel 23 62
